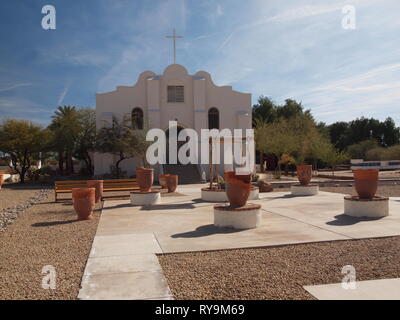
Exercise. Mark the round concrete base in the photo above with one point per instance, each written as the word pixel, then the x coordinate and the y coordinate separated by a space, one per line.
pixel 145 198
pixel 246 217
pixel 220 195
pixel 373 208
pixel 308 190
pixel 254 193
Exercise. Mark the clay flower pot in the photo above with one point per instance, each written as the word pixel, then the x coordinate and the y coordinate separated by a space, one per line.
pixel 145 178
pixel 304 174
pixel 83 200
pixel 1 180
pixel 237 188
pixel 162 179
pixel 366 182
pixel 172 182
pixel 98 185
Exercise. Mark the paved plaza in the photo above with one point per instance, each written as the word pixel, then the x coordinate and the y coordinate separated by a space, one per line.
pixel 123 263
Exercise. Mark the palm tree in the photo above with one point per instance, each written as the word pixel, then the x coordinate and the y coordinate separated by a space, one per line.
pixel 65 126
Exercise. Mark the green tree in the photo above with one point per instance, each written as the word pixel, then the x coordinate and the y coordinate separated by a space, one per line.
pixel 339 134
pixel 277 137
pixel 66 127
pixel 297 137
pixel 122 139
pixel 334 157
pixel 22 142
pixel 345 134
pixel 86 137
pixel 264 111
pixel 267 111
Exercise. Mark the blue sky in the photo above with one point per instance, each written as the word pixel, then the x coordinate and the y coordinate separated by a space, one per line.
pixel 281 49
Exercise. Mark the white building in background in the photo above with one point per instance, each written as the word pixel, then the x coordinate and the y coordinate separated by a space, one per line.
pixel 194 101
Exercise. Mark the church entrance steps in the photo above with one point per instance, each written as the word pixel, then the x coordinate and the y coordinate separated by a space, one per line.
pixel 188 174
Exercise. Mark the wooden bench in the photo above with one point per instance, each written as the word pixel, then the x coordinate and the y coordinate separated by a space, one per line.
pixel 108 186
pixel 8 171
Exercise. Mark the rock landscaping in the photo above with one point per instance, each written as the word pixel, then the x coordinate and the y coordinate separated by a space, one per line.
pixel 8 215
pixel 277 273
pixel 46 234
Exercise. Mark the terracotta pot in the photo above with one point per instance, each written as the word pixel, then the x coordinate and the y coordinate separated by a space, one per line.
pixel 237 188
pixel 83 200
pixel 145 178
pixel 172 182
pixel 1 180
pixel 366 182
pixel 162 179
pixel 304 174
pixel 98 185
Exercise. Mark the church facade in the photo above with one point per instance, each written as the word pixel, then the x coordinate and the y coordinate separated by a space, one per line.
pixel 193 101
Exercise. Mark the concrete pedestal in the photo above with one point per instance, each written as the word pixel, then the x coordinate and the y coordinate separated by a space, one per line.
pixel 301 190
pixel 246 217
pixel 254 193
pixel 145 198
pixel 220 195
pixel 373 208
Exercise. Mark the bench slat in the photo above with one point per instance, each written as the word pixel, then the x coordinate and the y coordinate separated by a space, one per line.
pixel 108 185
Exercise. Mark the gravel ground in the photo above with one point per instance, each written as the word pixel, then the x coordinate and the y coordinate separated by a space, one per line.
pixel 10 214
pixel 281 272
pixel 277 272
pixel 45 234
pixel 12 196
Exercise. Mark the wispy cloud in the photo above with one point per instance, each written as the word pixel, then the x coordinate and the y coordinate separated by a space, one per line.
pixel 294 49
pixel 225 42
pixel 372 93
pixel 22 108
pixel 145 43
pixel 15 86
pixel 64 93
pixel 220 11
pixel 351 82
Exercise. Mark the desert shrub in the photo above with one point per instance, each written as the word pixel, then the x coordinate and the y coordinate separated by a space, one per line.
pixel 376 154
pixel 393 153
pixel 359 150
pixel 383 154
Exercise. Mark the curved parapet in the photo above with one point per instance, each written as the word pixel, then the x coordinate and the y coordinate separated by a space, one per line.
pixel 205 75
pixel 143 76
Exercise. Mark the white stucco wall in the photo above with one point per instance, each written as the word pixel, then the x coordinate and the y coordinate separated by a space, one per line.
pixel 150 94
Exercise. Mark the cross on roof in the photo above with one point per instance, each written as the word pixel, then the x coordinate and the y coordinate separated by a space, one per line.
pixel 174 37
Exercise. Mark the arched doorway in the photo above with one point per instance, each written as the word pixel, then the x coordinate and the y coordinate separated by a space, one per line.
pixel 213 118
pixel 179 143
pixel 137 118
pixel 187 173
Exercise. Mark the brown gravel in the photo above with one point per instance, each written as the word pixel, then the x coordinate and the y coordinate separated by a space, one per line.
pixel 46 234
pixel 12 195
pixel 277 272
pixel 281 272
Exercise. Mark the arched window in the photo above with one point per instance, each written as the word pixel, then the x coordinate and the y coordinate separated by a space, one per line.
pixel 137 118
pixel 213 118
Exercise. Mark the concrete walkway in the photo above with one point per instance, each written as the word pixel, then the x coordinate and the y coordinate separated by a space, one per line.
pixel 123 262
pixel 383 289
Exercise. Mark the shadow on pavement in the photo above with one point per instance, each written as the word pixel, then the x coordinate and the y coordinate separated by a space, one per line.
pixel 345 220
pixel 171 206
pixel 204 231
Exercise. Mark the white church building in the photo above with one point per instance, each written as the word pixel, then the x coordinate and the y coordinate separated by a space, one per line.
pixel 194 101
